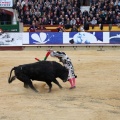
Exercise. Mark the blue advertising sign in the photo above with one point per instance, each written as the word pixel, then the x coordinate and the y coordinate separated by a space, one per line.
pixel 83 37
pixel 72 38
pixel 114 38
pixel 46 38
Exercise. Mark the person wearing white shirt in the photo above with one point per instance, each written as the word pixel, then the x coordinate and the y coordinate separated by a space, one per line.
pixel 93 22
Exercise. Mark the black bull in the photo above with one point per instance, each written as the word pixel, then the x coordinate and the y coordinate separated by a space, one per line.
pixel 46 71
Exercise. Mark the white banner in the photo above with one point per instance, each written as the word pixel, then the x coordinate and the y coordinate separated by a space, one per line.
pixel 11 39
pixel 6 3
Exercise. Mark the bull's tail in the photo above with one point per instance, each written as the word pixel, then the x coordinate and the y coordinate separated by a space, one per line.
pixel 10 79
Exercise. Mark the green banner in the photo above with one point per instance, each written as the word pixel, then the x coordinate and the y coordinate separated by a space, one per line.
pixel 10 27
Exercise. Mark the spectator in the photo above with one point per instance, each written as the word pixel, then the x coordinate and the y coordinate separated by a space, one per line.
pixel 67 24
pixel 62 21
pixel 33 27
pixel 35 20
pixel 42 27
pixel 117 21
pixel 78 22
pixel 100 22
pixel 85 13
pixel 23 3
pixel 82 29
pixel 46 21
pixel 22 19
pixel 85 25
pixel 39 21
pixel 92 7
pixel 56 21
pixel 117 9
pixel 102 15
pixel 89 20
pixel 106 20
pixel 93 22
pixel 60 29
pixel 74 29
pixel 28 21
pixel 111 22
pixel 37 13
pixel 72 21
pixel 62 12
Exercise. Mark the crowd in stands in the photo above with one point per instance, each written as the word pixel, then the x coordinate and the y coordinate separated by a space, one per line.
pixel 68 12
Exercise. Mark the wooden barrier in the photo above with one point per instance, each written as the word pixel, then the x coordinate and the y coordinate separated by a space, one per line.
pixel 53 28
pixel 2 48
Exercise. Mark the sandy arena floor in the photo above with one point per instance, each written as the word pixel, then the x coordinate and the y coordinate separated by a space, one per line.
pixel 96 97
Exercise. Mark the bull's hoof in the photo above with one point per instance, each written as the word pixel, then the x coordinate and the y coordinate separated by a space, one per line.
pixel 9 82
pixel 49 91
pixel 26 86
pixel 36 92
pixel 61 87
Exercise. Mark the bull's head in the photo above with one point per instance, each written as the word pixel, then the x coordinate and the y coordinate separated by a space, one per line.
pixel 64 74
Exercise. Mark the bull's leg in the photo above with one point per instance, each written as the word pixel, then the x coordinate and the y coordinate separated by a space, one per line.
pixel 50 86
pixel 57 83
pixel 26 81
pixel 25 85
pixel 31 85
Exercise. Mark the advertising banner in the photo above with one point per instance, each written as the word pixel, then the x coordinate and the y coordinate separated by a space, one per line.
pixel 58 38
pixel 46 38
pixel 74 38
pixel 83 37
pixel 11 39
pixel 91 37
pixel 6 3
pixel 114 37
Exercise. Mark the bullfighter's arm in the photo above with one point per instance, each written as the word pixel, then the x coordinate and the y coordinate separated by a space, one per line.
pixel 52 53
pixel 57 54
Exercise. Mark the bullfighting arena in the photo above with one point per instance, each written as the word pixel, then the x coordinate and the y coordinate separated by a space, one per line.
pixel 96 96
